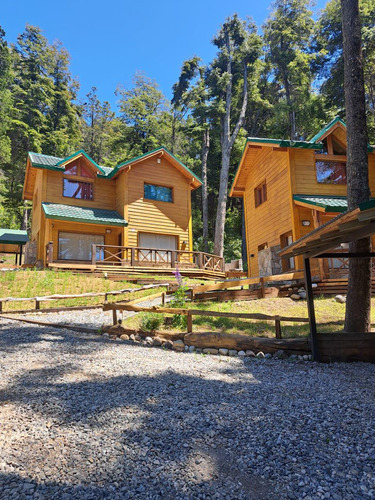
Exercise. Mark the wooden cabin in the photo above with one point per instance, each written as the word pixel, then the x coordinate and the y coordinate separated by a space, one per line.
pixel 84 213
pixel 290 188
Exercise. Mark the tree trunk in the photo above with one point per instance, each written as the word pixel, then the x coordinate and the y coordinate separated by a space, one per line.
pixel 222 203
pixel 243 245
pixel 25 217
pixel 205 150
pixel 358 303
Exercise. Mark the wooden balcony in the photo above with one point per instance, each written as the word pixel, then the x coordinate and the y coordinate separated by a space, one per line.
pixel 121 259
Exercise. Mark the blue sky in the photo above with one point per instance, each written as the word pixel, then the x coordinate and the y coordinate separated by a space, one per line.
pixel 110 40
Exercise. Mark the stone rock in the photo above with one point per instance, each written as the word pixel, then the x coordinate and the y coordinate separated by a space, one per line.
pixel 132 337
pixel 116 330
pixel 210 350
pixel 232 352
pixel 293 356
pixel 105 334
pixel 242 353
pixel 198 350
pixel 301 289
pixel 314 285
pixel 157 341
pixel 191 348
pixel 280 354
pixel 295 296
pixel 149 340
pixel 138 338
pixel 186 348
pixel 302 294
pixel 168 344
pixel 341 299
pixel 124 336
pixel 260 354
pixel 223 351
pixel 268 355
pixel 178 346
pixel 250 354
pixel 306 357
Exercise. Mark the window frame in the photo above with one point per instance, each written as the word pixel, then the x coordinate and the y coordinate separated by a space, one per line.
pixel 260 194
pixel 82 180
pixel 161 186
pixel 331 159
pixel 285 261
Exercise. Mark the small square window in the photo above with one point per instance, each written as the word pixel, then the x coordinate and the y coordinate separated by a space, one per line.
pixel 330 172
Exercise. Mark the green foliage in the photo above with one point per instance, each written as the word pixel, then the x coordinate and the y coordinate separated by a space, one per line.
pixel 151 322
pixel 179 302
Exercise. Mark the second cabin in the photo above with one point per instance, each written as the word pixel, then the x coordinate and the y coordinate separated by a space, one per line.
pixel 290 188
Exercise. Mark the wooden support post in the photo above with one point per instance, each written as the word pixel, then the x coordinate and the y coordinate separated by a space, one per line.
pixel 200 260
pixel 21 248
pixel 50 252
pixel 191 294
pixel 132 256
pixel 173 258
pixel 93 254
pixel 189 322
pixel 37 304
pixel 106 297
pixel 262 291
pixel 278 327
pixel 1 306
pixel 163 298
pixel 114 315
pixel 311 309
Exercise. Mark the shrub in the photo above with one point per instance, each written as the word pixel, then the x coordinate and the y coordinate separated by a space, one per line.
pixel 151 322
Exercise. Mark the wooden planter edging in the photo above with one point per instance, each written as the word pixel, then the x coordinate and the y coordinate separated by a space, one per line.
pixel 341 346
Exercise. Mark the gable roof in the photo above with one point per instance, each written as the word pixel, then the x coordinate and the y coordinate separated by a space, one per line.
pixel 314 143
pixel 39 160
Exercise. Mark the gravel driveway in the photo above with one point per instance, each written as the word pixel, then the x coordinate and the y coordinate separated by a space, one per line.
pixel 83 417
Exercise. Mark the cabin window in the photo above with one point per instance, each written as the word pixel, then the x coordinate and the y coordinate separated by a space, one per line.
pixel 260 194
pixel 286 240
pixel 158 193
pixel 80 171
pixel 330 172
pixel 79 190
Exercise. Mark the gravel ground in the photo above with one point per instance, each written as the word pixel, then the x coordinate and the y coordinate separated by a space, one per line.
pixel 83 417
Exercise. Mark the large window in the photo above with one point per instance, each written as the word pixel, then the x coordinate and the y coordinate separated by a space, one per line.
pixel 75 246
pixel 78 189
pixel 260 194
pixel 330 172
pixel 158 193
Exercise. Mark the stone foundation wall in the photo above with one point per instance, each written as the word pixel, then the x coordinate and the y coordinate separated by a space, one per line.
pixel 269 262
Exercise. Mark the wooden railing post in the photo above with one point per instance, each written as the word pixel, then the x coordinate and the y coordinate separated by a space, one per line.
pixel 114 314
pixel 49 251
pixel 173 258
pixel 189 322
pixel 132 256
pixel 200 260
pixel 277 327
pixel 93 254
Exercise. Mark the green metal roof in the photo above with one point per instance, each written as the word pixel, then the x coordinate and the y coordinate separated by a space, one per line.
pixel 83 214
pixel 329 203
pixel 13 236
pixel 327 127
pixel 80 152
pixel 284 143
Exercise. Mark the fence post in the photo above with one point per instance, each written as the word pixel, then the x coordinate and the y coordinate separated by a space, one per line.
pixel 200 260
pixel 278 327
pixel 262 291
pixel 163 298
pixel 37 304
pixel 132 256
pixel 93 254
pixel 189 322
pixel 114 315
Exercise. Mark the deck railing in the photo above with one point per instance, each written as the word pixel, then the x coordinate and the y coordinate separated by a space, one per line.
pixel 149 257
pixel 143 256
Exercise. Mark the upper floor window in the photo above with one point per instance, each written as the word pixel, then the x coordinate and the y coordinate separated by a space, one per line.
pixel 330 172
pixel 158 193
pixel 79 190
pixel 260 194
pixel 79 171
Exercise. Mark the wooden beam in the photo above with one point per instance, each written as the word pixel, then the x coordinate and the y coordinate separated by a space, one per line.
pixel 311 309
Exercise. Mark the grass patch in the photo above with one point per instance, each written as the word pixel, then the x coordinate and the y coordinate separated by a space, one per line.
pixel 32 283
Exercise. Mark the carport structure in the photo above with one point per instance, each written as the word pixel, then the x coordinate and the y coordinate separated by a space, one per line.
pixel 12 241
pixel 320 243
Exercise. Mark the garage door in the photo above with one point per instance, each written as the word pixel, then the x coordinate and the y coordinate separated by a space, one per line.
pixel 157 241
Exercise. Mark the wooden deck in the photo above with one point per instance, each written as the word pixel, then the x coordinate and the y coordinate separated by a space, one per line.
pixel 119 260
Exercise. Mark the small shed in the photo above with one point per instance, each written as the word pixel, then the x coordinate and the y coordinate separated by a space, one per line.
pixel 12 241
pixel 338 232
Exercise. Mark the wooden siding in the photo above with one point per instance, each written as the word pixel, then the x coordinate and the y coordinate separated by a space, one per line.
pixel 271 219
pixel 305 176
pixel 104 191
pixel 158 216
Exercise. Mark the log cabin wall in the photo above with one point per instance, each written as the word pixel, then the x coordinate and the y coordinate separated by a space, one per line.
pixel 267 222
pixel 153 216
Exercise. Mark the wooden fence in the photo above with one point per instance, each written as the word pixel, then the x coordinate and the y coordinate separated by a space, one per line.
pixel 49 298
pixel 197 312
